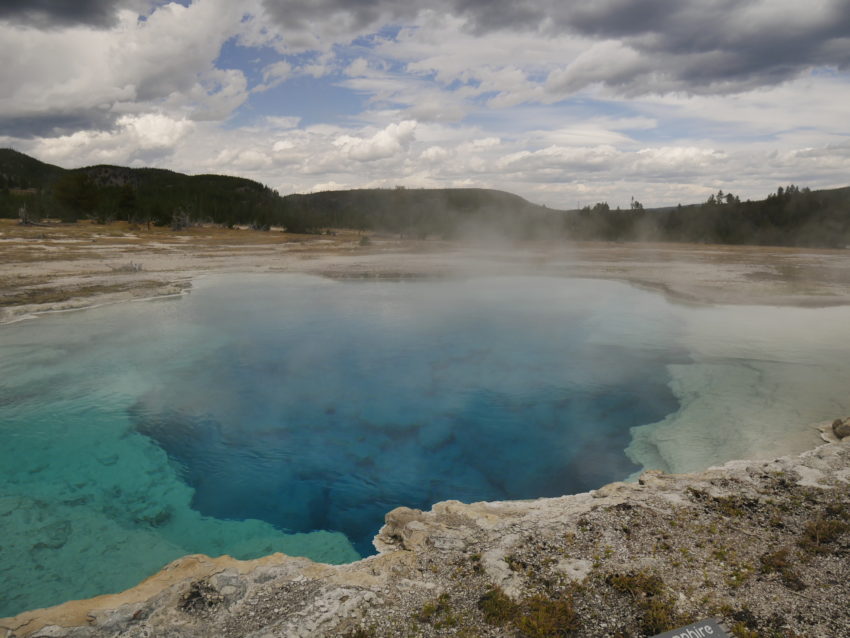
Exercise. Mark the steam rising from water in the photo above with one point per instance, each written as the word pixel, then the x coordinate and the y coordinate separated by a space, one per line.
pixel 260 406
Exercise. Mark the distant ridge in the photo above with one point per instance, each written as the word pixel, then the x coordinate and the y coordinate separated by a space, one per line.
pixel 31 189
pixel 445 212
pixel 23 171
pixel 106 192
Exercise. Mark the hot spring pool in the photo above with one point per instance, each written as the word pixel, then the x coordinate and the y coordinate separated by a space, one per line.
pixel 289 413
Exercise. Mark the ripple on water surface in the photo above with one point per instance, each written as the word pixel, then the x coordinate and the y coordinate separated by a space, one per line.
pixel 290 413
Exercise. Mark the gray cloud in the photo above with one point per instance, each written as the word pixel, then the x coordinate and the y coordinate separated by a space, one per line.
pixel 310 23
pixel 691 45
pixel 61 81
pixel 55 124
pixel 45 14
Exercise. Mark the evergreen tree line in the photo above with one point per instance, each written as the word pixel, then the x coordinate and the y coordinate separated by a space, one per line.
pixel 791 216
pixel 143 196
pixel 32 190
pixel 160 197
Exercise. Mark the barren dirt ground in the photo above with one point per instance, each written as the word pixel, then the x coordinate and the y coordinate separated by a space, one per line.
pixel 66 266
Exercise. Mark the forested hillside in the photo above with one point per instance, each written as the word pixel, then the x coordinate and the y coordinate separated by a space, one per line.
pixel 445 212
pixel 141 195
pixel 35 190
pixel 789 217
pixel 32 190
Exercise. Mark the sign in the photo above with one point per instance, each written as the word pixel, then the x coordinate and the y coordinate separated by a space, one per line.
pixel 710 628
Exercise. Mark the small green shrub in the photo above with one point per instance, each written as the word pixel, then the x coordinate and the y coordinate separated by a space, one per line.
pixel 546 618
pixel 819 533
pixel 432 611
pixel 740 630
pixel 838 511
pixel 658 614
pixel 427 613
pixel 497 607
pixel 636 584
pixel 780 563
pixel 729 506
pixel 777 561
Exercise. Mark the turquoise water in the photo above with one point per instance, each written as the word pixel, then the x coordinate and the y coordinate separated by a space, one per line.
pixel 326 404
pixel 289 413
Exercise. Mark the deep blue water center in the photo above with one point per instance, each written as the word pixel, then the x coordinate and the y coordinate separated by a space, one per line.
pixel 266 413
pixel 321 406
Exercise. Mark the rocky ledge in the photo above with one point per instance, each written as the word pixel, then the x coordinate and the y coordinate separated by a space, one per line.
pixel 762 545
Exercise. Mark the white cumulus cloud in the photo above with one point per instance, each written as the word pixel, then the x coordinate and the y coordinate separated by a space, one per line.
pixel 388 142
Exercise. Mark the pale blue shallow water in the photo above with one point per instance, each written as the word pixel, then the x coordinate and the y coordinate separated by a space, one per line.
pixel 289 413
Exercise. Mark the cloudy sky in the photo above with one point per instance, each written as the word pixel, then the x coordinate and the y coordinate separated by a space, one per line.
pixel 564 103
